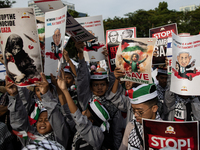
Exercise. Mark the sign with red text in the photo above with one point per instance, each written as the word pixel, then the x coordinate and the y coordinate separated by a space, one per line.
pixel 170 135
pixel 113 39
pixel 94 47
pixel 134 56
pixel 20 45
pixel 185 76
pixel 49 5
pixel 55 24
pixel 162 33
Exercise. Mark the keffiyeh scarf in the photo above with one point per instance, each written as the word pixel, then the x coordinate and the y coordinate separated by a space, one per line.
pixel 133 139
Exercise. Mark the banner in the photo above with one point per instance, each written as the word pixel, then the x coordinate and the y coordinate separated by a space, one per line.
pixel 169 55
pixel 74 29
pixel 167 135
pixel 134 56
pixel 113 39
pixel 185 77
pixel 94 47
pixel 49 5
pixel 55 24
pixel 162 33
pixel 20 45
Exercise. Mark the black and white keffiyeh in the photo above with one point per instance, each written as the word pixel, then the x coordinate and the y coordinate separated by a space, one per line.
pixel 44 145
pixel 133 139
pixel 161 92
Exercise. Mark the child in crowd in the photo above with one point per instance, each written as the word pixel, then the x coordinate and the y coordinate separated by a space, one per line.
pixel 50 124
pixel 95 86
pixel 143 105
pixel 161 88
pixel 90 125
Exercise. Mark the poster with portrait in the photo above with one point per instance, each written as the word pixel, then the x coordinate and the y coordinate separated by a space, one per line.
pixel 113 39
pixel 185 76
pixel 55 24
pixel 49 5
pixel 94 47
pixel 74 29
pixel 134 56
pixel 162 33
pixel 20 45
pixel 170 135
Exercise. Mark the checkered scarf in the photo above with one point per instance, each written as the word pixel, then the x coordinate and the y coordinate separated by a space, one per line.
pixel 179 106
pixel 6 136
pixel 161 92
pixel 44 145
pixel 133 138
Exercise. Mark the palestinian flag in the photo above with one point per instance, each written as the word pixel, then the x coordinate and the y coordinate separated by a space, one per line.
pixel 21 134
pixel 99 75
pixel 131 45
pixel 34 115
pixel 35 138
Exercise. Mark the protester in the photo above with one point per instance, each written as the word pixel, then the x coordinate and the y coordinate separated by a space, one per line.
pixel 95 86
pixel 50 124
pixel 143 105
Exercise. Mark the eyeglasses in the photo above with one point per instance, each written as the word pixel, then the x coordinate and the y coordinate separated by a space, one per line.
pixel 139 113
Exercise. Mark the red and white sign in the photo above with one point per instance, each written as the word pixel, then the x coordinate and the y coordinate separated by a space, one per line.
pixel 168 134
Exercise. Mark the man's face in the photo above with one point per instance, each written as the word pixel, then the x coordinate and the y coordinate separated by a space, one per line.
pixel 162 79
pixel 183 59
pixel 125 34
pixel 16 49
pixel 99 88
pixel 144 111
pixel 113 37
pixel 43 125
pixel 69 79
pixel 56 37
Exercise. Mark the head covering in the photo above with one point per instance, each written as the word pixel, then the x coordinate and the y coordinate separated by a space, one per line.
pixel 98 75
pixel 144 93
pixel 100 114
pixel 67 69
pixel 162 70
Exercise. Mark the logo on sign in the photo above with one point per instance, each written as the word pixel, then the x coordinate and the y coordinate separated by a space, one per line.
pixel 170 130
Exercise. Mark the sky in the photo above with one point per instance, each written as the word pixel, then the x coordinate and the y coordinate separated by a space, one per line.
pixel 112 8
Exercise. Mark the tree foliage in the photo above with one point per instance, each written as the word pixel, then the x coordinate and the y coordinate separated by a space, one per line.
pixel 6 3
pixel 187 22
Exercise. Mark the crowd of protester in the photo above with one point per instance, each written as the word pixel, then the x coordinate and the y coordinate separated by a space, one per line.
pixel 87 108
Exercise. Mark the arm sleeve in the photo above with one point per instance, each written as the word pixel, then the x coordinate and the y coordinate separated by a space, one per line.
pixel 83 87
pixel 92 134
pixel 118 99
pixel 25 96
pixel 124 144
pixel 18 115
pixel 126 60
pixel 196 109
pixel 141 61
pixel 56 119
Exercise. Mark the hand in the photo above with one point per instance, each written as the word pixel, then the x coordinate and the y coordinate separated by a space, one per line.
pixel 118 73
pixel 1 58
pixel 146 56
pixel 61 80
pixel 155 54
pixel 11 88
pixel 43 85
pixel 66 55
pixel 53 80
pixel 105 51
pixel 80 46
